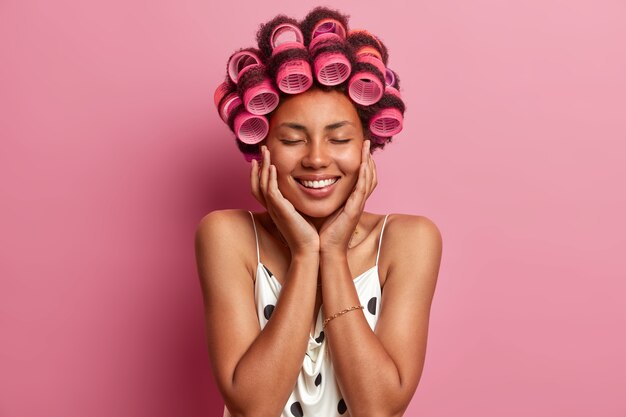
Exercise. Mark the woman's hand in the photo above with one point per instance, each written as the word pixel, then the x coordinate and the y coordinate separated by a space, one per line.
pixel 337 231
pixel 300 235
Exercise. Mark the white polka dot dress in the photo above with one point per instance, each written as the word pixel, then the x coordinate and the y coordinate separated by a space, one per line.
pixel 316 393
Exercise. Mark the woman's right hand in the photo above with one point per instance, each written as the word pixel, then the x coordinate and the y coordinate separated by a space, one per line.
pixel 300 235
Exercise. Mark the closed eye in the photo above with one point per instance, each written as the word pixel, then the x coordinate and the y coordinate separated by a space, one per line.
pixel 291 142
pixel 340 140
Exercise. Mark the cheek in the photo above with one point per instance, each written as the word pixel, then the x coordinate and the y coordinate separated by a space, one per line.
pixel 284 168
pixel 279 159
pixel 350 162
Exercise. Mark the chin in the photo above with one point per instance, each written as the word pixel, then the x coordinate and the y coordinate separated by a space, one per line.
pixel 319 210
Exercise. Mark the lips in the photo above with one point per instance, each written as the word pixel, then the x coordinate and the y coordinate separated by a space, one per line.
pixel 316 184
pixel 317 187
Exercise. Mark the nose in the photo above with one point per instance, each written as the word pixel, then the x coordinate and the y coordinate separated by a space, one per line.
pixel 317 155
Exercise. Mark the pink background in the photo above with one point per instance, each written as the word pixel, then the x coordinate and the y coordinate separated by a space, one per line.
pixel 111 152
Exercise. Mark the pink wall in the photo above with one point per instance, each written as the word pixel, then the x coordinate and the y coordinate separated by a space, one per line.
pixel 111 152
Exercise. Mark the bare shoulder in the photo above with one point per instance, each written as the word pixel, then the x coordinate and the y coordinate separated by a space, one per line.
pixel 412 243
pixel 222 218
pixel 225 235
pixel 407 226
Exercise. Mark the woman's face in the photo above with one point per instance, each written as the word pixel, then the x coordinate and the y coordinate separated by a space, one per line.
pixel 315 142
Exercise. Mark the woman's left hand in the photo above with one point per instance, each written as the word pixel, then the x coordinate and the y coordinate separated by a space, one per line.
pixel 337 231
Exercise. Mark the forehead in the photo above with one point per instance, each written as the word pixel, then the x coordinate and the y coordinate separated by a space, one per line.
pixel 316 107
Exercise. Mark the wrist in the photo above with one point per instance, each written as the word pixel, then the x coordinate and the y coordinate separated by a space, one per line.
pixel 305 256
pixel 333 248
pixel 333 254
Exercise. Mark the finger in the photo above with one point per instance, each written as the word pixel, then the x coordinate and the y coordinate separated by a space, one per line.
pixel 363 182
pixel 368 170
pixel 278 200
pixel 372 177
pixel 272 188
pixel 367 176
pixel 254 182
pixel 264 170
pixel 365 150
pixel 357 198
pixel 371 170
pixel 366 162
pixel 375 175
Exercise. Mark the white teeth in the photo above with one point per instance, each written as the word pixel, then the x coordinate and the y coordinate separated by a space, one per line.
pixel 318 184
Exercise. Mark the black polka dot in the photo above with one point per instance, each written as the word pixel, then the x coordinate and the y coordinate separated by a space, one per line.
pixel 268 310
pixel 318 380
pixel 371 305
pixel 296 409
pixel 341 407
pixel 320 338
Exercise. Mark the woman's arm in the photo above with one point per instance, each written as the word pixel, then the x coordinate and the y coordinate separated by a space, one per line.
pixel 378 373
pixel 255 369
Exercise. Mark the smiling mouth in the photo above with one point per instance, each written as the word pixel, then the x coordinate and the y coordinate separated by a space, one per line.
pixel 318 184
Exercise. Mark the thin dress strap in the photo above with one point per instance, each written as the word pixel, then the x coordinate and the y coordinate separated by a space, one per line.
pixel 256 237
pixel 380 239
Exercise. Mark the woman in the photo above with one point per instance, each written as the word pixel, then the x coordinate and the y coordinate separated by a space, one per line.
pixel 315 307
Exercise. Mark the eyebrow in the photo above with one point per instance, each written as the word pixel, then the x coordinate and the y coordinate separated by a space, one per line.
pixel 332 126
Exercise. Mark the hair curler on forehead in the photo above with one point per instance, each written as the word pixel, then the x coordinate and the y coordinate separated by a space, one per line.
pixel 292 57
pixel 330 62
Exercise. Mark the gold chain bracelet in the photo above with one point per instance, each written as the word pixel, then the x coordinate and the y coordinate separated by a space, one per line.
pixel 342 312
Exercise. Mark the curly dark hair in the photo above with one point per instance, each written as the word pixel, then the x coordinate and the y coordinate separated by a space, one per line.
pixel 350 47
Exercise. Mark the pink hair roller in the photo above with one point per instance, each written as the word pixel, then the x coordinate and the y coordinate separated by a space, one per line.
pixel 390 81
pixel 390 77
pixel 229 104
pixel 239 61
pixel 260 98
pixel 333 26
pixel 229 101
pixel 365 88
pixel 250 128
pixel 220 92
pixel 393 91
pixel 387 122
pixel 293 76
pixel 330 68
